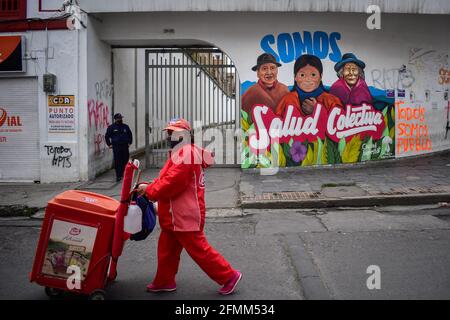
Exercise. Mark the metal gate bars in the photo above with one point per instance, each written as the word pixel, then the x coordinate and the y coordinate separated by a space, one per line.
pixel 198 84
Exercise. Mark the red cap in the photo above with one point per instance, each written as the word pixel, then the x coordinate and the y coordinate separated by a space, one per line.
pixel 178 124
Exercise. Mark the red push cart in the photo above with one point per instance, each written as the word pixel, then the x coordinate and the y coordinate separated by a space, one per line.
pixel 81 240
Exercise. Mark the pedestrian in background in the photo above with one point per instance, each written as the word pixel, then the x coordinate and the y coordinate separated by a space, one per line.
pixel 180 193
pixel 119 137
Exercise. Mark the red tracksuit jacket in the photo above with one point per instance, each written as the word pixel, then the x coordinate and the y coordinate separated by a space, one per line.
pixel 180 189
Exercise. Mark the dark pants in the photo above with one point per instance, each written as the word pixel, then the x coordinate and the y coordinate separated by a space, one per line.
pixel 121 157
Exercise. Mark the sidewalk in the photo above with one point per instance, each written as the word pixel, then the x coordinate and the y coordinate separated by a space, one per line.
pixel 30 199
pixel 412 181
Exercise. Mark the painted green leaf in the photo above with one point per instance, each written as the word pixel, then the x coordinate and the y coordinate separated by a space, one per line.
pixel 244 115
pixel 249 161
pixel 391 117
pixel 323 157
pixel 341 146
pixel 386 132
pixel 244 125
pixel 264 161
pixel 333 155
pixel 393 114
pixel 392 133
pixel 319 151
pixel 245 152
pixel 352 150
pixel 291 142
pixel 309 159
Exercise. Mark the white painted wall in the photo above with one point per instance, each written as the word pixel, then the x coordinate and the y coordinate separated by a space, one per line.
pixel 239 35
pixel 99 101
pixel 124 88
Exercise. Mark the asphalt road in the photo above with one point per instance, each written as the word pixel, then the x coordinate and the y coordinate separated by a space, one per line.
pixel 283 254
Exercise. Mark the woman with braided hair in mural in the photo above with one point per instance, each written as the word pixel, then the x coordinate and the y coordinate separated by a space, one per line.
pixel 351 87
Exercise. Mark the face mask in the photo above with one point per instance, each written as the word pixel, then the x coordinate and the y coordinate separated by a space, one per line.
pixel 173 143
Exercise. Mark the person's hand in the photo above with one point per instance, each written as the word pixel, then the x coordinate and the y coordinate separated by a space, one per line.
pixel 141 188
pixel 308 105
pixel 110 146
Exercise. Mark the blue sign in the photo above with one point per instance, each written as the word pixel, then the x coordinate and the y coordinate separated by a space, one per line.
pixel 287 47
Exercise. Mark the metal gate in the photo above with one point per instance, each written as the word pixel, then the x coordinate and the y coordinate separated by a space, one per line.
pixel 199 85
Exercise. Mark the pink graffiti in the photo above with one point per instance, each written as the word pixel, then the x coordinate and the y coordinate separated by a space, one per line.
pixel 98 113
pixel 100 144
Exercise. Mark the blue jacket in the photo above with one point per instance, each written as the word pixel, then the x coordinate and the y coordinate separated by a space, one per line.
pixel 117 134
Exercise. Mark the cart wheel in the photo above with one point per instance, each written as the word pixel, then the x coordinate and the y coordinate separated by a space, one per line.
pixel 53 293
pixel 98 295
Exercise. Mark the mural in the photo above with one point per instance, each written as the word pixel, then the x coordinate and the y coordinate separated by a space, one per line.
pixel 310 123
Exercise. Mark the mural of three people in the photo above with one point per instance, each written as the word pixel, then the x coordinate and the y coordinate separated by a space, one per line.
pixel 310 123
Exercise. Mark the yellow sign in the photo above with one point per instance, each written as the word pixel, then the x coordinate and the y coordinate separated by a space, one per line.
pixel 57 101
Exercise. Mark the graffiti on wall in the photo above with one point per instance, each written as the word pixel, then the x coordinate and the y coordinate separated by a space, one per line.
pixel 311 123
pixel 432 69
pixel 60 156
pixel 99 115
pixel 412 129
pixel 393 78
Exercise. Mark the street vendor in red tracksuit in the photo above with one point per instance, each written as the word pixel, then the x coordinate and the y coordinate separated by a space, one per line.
pixel 180 193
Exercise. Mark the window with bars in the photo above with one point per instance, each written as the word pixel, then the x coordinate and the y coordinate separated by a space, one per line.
pixel 13 9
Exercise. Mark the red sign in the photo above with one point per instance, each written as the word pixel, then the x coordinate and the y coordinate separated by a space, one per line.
pixel 11 59
pixel 9 121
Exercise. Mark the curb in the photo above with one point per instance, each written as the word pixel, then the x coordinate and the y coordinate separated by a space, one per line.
pixel 385 200
pixel 311 283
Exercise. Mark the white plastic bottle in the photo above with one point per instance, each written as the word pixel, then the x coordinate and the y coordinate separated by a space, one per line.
pixel 133 220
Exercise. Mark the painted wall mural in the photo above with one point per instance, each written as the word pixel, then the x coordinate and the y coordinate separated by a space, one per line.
pixel 307 122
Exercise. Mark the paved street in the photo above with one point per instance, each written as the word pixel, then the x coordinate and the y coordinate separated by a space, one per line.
pixel 283 254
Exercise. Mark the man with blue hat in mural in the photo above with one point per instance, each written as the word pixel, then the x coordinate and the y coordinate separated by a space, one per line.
pixel 351 87
pixel 119 137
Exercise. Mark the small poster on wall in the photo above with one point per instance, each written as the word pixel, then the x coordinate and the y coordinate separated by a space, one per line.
pixel 61 114
pixel 70 244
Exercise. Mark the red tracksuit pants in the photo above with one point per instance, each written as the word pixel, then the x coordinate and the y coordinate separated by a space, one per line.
pixel 171 244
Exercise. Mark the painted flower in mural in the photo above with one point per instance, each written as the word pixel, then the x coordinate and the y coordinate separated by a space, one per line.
pixel 298 151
